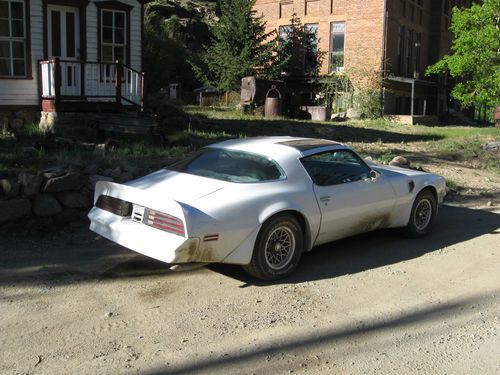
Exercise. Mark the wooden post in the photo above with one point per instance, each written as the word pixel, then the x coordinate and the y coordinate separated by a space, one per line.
pixel 118 82
pixel 142 90
pixel 57 82
pixel 227 98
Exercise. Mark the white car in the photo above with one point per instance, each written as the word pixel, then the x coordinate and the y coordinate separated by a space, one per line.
pixel 261 203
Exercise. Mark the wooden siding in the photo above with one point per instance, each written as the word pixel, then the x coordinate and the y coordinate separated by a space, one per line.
pixel 18 92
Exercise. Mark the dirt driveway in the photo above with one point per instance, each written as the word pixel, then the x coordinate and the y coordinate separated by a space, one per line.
pixel 72 303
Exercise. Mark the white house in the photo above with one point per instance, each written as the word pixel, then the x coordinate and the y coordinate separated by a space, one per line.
pixel 71 55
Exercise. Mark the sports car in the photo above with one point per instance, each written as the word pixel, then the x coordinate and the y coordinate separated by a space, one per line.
pixel 261 203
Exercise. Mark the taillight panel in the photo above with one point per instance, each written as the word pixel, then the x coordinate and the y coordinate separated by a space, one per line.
pixel 165 222
pixel 114 205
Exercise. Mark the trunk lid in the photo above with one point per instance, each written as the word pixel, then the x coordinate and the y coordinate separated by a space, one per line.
pixel 181 187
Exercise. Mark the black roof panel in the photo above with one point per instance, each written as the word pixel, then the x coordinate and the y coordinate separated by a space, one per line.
pixel 309 144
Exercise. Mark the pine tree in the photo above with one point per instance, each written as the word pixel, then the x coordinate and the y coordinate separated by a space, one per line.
pixel 240 47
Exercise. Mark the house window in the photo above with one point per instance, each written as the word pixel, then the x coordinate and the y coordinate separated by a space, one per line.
pixel 311 47
pixel 13 43
pixel 337 38
pixel 401 49
pixel 113 35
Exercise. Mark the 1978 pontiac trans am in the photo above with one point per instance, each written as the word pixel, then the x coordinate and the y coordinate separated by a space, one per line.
pixel 261 203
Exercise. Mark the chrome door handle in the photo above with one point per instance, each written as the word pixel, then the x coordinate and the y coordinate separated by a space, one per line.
pixel 325 198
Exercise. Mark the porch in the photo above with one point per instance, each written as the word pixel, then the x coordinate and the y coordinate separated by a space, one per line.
pixel 79 86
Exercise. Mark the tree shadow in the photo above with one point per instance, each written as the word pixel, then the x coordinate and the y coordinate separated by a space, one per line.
pixel 381 248
pixel 290 127
pixel 320 339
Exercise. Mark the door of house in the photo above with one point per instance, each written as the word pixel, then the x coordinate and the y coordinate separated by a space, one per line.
pixel 63 41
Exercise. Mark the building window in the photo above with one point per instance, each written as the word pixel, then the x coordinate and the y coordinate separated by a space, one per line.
pixel 401 49
pixel 409 54
pixel 113 32
pixel 13 41
pixel 418 46
pixel 284 32
pixel 311 47
pixel 403 7
pixel 337 39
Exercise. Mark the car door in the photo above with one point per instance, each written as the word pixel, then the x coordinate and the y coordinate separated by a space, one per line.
pixel 352 198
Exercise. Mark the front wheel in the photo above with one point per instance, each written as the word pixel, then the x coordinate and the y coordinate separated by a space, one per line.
pixel 422 215
pixel 278 248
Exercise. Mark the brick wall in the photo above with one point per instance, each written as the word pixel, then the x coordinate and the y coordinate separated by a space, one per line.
pixel 363 18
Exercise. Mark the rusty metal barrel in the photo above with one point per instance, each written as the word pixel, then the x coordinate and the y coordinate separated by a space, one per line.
pixel 272 105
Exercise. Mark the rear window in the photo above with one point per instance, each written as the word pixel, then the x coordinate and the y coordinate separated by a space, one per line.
pixel 230 165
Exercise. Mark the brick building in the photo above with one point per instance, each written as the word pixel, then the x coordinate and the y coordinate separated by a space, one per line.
pixel 398 37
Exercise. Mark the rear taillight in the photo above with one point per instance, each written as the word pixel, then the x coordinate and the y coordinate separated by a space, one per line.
pixel 114 205
pixel 164 222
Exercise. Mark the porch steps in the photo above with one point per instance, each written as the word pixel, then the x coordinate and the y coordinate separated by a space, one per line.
pixel 127 123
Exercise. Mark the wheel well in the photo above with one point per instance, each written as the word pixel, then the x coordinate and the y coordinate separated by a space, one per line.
pixel 433 190
pixel 303 225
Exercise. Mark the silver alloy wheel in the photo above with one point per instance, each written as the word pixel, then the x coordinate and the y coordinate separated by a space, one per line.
pixel 280 247
pixel 423 214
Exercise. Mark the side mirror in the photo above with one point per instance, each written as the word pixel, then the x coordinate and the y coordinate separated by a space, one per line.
pixel 374 174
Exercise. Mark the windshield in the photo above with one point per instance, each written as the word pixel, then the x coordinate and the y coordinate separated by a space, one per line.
pixel 230 165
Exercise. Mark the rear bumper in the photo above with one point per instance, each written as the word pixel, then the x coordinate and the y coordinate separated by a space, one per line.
pixel 149 241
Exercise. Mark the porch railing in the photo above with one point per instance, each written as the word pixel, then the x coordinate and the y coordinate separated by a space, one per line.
pixel 91 82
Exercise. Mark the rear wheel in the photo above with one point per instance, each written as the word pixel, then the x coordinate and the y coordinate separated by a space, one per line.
pixel 278 248
pixel 422 215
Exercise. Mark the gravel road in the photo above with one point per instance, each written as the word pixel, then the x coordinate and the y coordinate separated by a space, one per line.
pixel 74 303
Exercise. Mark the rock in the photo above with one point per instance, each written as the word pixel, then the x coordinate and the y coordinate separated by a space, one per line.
pixel 9 187
pixel 124 177
pixel 29 151
pixel 91 169
pixel 491 146
pixel 490 204
pixel 107 172
pixel 16 123
pixel 132 169
pixel 68 215
pixel 46 205
pixel 70 181
pixel 30 184
pixel 108 314
pixel 92 180
pixel 400 161
pixel 73 199
pixel 353 113
pixel 14 209
pixel 53 172
pixel 116 173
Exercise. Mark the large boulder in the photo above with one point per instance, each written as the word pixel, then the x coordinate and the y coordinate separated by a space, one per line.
pixel 9 188
pixel 14 209
pixel 46 205
pixel 68 215
pixel 400 161
pixel 92 180
pixel 30 184
pixel 73 199
pixel 69 181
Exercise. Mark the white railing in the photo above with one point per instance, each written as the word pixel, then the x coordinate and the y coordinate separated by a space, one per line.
pixel 71 77
pixel 132 86
pixel 91 81
pixel 100 81
pixel 48 84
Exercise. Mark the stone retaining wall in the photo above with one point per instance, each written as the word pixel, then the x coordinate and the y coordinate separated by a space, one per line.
pixel 57 194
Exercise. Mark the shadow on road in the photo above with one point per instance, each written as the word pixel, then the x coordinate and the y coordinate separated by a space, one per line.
pixel 77 255
pixel 316 340
pixel 381 248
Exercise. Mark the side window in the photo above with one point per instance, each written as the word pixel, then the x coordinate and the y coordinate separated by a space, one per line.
pixel 335 167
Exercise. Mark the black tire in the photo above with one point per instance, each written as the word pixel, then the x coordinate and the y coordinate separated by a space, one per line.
pixel 422 215
pixel 270 258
